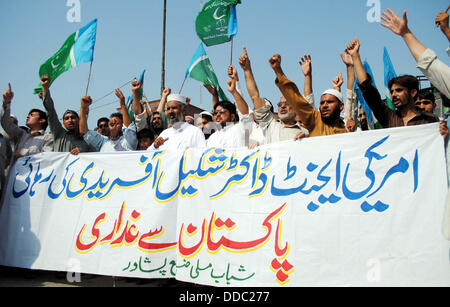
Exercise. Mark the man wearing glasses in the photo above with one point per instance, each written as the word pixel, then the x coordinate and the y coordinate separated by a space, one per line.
pixel 326 120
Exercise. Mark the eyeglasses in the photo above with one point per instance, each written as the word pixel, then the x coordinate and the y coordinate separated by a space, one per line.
pixel 103 126
pixel 220 111
pixel 280 104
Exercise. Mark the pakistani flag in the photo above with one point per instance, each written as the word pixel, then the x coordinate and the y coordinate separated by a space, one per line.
pixel 389 74
pixel 200 69
pixel 217 22
pixel 77 49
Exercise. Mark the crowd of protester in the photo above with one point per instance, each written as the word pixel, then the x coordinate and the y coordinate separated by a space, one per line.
pixel 236 124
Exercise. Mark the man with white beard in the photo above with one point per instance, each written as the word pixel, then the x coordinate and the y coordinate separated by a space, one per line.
pixel 180 135
pixel 285 129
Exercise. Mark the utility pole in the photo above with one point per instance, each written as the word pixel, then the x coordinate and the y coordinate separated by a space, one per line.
pixel 163 68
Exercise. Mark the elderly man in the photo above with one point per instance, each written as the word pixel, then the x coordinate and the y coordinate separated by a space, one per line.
pixel 67 138
pixel 180 135
pixel 269 128
pixel 326 120
pixel 31 142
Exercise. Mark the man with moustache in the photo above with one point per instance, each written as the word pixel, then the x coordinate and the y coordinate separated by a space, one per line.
pixel 404 90
pixel 326 120
pixel 67 138
pixel 180 135
pixel 119 139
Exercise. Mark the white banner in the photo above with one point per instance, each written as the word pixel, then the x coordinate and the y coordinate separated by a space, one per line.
pixel 362 209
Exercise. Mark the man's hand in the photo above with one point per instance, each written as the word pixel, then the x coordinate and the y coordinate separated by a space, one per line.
pixel 347 58
pixel 305 64
pixel 8 95
pixel 244 60
pixel 350 126
pixel 166 92
pixel 300 135
pixel 232 73
pixel 275 62
pixel 443 129
pixel 86 102
pixel 396 24
pixel 45 82
pixel 120 95
pixel 212 90
pixel 159 142
pixel 75 151
pixel 231 85
pixel 353 48
pixel 338 81
pixel 135 86
pixel 442 19
pixel 253 145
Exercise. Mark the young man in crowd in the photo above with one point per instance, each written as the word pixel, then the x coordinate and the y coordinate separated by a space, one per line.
pixel 31 142
pixel 120 138
pixel 67 138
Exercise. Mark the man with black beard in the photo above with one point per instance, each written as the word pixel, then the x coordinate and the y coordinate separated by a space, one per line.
pixel 326 120
pixel 180 135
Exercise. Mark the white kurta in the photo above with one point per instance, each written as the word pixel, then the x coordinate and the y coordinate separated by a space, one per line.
pixel 187 136
pixel 233 135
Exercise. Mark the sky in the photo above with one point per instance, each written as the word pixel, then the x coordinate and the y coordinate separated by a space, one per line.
pixel 129 40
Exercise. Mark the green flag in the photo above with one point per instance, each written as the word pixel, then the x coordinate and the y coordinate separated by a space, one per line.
pixel 77 49
pixel 214 20
pixel 200 69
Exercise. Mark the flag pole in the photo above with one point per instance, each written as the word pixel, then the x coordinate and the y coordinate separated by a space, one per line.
pixel 231 52
pixel 182 85
pixel 89 78
pixel 163 69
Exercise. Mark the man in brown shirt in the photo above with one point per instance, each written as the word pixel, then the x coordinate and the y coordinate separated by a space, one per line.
pixel 326 120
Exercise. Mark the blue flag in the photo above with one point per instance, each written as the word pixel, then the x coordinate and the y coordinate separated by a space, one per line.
pixel 389 74
pixel 233 23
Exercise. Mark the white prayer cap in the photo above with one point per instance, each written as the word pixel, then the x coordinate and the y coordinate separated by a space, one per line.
pixel 206 113
pixel 176 97
pixel 13 116
pixel 335 93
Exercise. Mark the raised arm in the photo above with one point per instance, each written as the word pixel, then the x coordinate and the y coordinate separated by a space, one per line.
pixel 252 88
pixel 123 108
pixel 136 88
pixel 55 125
pixel 353 50
pixel 427 61
pixel 213 91
pixel 348 61
pixel 306 66
pixel 242 106
pixel 399 26
pixel 337 82
pixel 84 111
pixel 162 103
